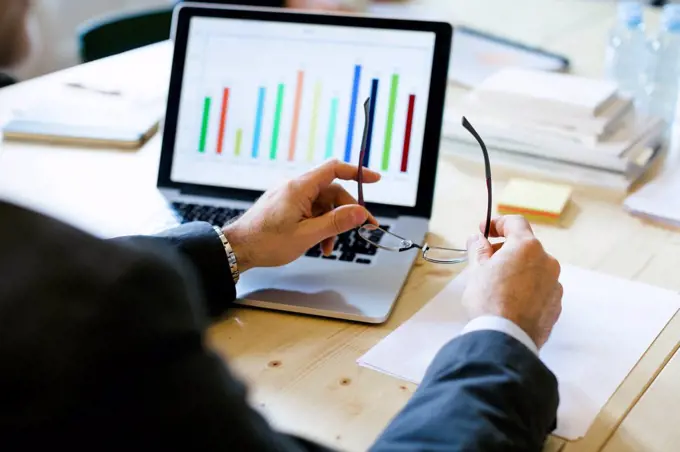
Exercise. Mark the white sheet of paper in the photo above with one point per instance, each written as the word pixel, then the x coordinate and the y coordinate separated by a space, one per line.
pixel 606 325
pixel 658 200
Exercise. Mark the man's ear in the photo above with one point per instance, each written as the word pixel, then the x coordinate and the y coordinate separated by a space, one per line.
pixel 14 38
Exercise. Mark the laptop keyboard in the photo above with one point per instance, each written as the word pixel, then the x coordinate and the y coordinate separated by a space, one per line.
pixel 218 216
pixel 349 247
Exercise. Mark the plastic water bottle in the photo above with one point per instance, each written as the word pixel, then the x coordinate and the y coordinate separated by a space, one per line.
pixel 662 75
pixel 626 49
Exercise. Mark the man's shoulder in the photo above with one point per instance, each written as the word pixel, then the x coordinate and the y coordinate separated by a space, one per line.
pixel 35 246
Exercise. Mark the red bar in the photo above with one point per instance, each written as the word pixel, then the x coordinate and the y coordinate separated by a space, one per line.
pixel 223 120
pixel 407 135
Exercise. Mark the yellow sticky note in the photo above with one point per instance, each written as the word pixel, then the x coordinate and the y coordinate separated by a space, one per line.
pixel 536 200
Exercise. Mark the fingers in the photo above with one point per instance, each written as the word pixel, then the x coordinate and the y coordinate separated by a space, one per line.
pixel 327 246
pixel 479 249
pixel 330 198
pixel 337 221
pixel 556 308
pixel 556 267
pixel 323 175
pixel 335 195
pixel 509 226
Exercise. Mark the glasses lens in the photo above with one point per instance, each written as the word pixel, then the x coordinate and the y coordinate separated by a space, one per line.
pixel 445 255
pixel 383 239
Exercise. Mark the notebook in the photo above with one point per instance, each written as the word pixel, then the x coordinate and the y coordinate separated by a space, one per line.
pixel 75 114
pixel 607 324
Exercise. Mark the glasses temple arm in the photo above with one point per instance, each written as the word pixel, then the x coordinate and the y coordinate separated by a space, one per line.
pixel 487 171
pixel 362 152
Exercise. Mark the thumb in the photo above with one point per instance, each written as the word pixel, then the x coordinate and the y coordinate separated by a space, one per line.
pixel 479 249
pixel 337 221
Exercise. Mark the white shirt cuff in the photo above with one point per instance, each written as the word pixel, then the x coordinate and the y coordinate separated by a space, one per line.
pixel 503 325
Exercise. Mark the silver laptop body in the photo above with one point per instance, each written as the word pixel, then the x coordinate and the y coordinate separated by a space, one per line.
pixel 358 282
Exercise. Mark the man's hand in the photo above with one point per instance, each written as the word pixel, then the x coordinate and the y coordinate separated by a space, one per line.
pixel 287 221
pixel 518 282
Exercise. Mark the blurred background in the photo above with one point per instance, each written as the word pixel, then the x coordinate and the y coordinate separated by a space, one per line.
pixel 54 25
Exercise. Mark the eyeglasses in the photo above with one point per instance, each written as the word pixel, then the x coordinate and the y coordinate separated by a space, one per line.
pixel 389 241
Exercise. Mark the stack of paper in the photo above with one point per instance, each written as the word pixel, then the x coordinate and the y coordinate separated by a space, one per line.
pixel 547 93
pixel 658 200
pixel 606 326
pixel 537 201
pixel 574 121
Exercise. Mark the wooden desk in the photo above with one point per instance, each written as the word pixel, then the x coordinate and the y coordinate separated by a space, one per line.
pixel 302 370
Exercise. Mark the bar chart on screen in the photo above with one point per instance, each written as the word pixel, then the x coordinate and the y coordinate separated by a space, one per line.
pixel 279 101
pixel 311 146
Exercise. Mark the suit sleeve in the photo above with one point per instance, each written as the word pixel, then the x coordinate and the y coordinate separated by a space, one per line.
pixel 153 379
pixel 485 391
pixel 198 244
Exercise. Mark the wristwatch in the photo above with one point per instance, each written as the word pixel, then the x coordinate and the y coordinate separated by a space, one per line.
pixel 231 257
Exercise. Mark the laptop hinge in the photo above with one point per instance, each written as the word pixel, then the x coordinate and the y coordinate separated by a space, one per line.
pixel 383 211
pixel 244 195
pixel 221 193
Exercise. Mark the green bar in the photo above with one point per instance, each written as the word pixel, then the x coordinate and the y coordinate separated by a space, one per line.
pixel 330 138
pixel 237 146
pixel 277 122
pixel 204 126
pixel 390 122
pixel 312 127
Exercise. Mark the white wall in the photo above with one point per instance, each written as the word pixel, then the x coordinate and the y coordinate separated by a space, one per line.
pixel 53 26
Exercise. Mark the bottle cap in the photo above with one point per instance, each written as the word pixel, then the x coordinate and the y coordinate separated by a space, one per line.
pixel 671 18
pixel 630 14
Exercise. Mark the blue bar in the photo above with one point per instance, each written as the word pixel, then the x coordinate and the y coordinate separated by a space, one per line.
pixel 258 121
pixel 352 113
pixel 371 116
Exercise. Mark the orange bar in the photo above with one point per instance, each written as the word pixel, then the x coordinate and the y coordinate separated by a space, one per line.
pixel 223 120
pixel 296 115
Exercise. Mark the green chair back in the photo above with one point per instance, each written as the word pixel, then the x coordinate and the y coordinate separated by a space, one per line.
pixel 122 32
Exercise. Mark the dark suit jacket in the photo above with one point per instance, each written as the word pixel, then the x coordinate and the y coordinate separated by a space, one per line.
pixel 101 347
pixel 6 80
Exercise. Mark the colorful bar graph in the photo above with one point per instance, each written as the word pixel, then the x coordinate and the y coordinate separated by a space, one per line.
pixel 258 121
pixel 394 87
pixel 315 119
pixel 330 136
pixel 296 115
pixel 204 124
pixel 237 145
pixel 371 117
pixel 407 135
pixel 352 112
pixel 277 122
pixel 223 120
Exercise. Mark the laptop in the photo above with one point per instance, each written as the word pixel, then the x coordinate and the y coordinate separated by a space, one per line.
pixel 260 96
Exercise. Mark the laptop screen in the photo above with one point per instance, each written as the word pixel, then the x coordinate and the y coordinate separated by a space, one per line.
pixel 263 101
